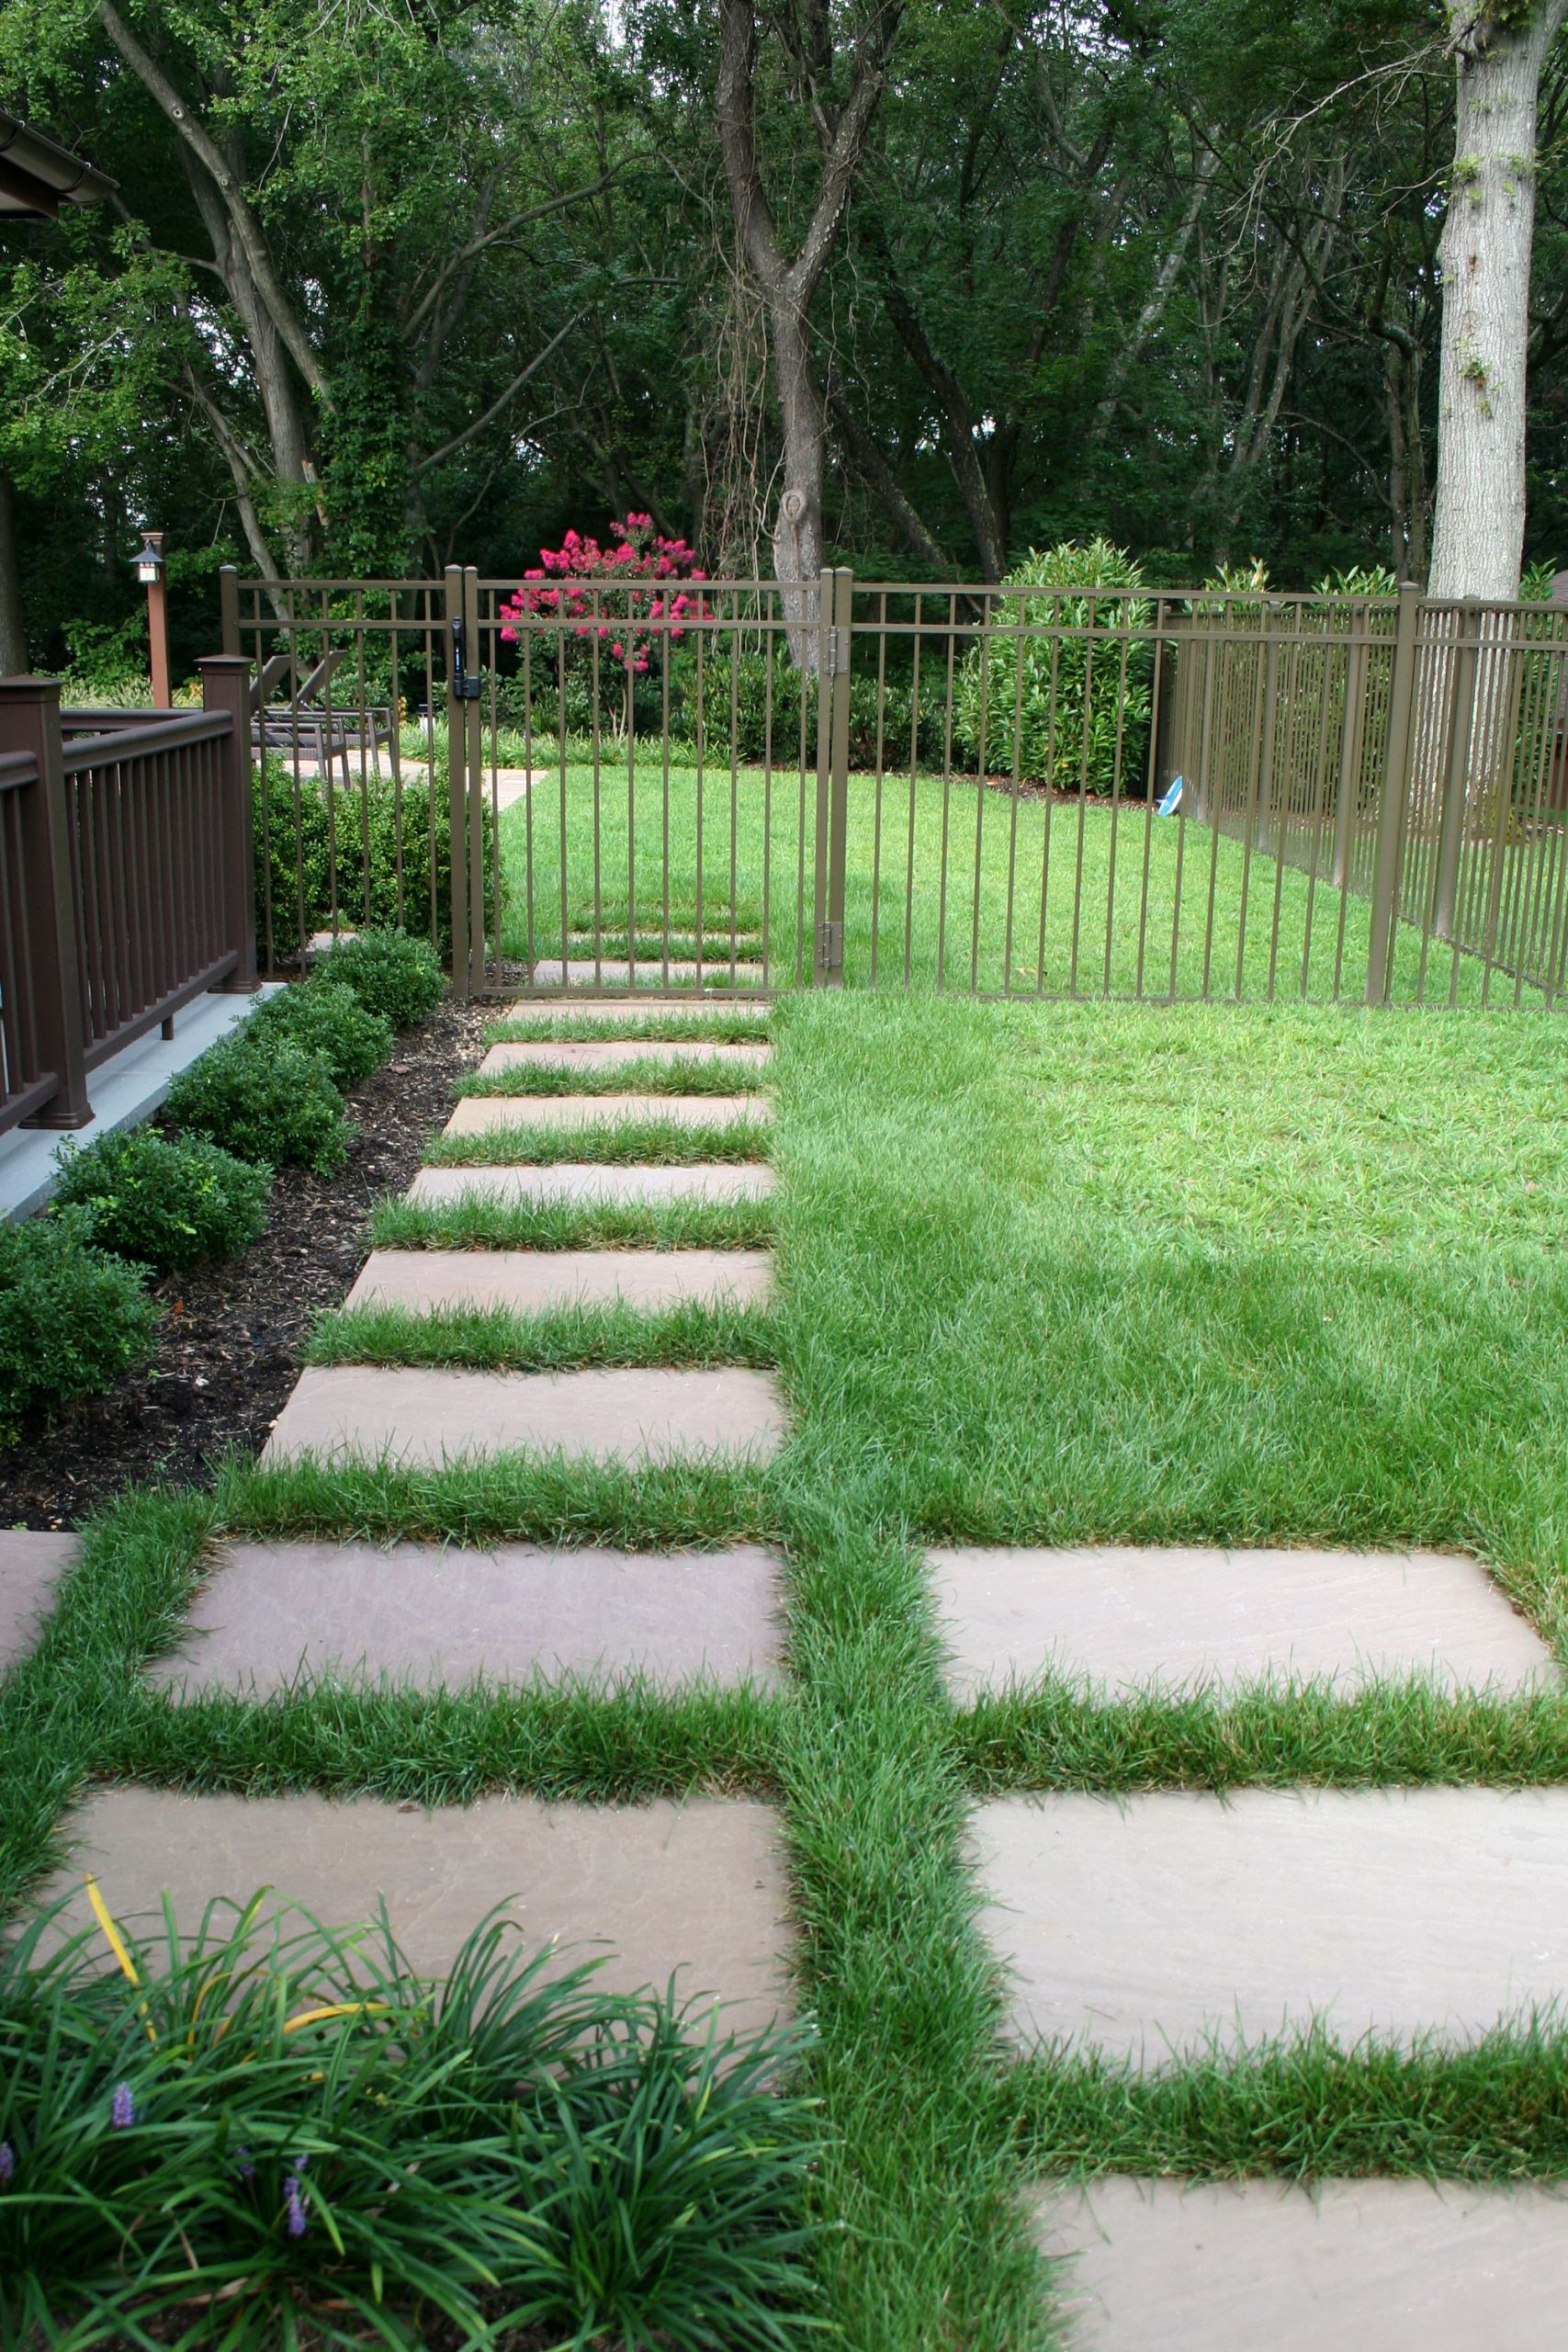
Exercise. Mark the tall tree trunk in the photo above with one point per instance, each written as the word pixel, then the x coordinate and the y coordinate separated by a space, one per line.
pixel 786 285
pixel 13 622
pixel 1479 526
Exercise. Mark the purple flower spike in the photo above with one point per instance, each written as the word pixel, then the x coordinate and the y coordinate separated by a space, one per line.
pixel 246 2170
pixel 7 2162
pixel 122 2111
pixel 294 2206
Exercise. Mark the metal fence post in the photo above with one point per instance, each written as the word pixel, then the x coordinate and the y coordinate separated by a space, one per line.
pixel 1393 794
pixel 457 790
pixel 1456 783
pixel 229 607
pixel 30 721
pixel 226 685
pixel 473 753
pixel 832 758
pixel 838 825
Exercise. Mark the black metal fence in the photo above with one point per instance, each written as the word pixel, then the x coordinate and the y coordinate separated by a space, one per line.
pixel 1012 792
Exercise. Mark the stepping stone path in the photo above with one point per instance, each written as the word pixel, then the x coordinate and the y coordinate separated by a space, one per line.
pixel 1153 1926
pixel 614 1053
pixel 1371 2265
pixel 31 1566
pixel 583 972
pixel 696 1887
pixel 436 1615
pixel 1127 1620
pixel 530 1280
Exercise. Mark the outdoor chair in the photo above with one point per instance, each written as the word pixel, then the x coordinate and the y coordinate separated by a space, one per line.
pixel 324 735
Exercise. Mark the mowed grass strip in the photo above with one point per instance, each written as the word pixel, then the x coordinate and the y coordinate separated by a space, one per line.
pixel 555 1339
pixel 502 1498
pixel 1397 1732
pixel 666 1025
pixel 1301 2108
pixel 626 1143
pixel 614 1740
pixel 641 1077
pixel 480 1223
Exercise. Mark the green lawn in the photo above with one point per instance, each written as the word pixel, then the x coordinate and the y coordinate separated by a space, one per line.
pixel 1162 907
pixel 1068 1273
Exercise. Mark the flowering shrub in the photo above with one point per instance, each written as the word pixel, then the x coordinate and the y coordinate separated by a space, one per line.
pixel 1077 699
pixel 614 594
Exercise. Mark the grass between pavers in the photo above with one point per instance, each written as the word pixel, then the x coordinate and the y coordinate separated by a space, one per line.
pixel 1392 1733
pixel 478 1222
pixel 553 1339
pixel 646 1077
pixel 623 1143
pixel 1302 2108
pixel 1318 1302
pixel 670 1024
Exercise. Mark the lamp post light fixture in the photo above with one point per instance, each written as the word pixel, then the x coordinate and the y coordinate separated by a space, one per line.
pixel 149 572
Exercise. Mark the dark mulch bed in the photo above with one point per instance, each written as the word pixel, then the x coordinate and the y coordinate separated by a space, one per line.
pixel 225 1357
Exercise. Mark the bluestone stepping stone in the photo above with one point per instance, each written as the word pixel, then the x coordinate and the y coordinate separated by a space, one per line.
pixel 438 1615
pixel 581 1182
pixel 647 1004
pixel 1142 1925
pixel 583 972
pixel 695 1886
pixel 1263 2265
pixel 1126 1619
pixel 479 1114
pixel 614 1053
pixel 31 1564
pixel 431 1416
pixel 532 1281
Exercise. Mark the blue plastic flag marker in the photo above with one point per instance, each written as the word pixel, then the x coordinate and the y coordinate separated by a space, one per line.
pixel 1167 805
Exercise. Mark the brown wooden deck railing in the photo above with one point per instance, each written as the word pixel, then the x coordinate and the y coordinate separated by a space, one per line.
pixel 125 880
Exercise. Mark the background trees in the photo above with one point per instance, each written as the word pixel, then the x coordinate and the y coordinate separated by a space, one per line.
pixel 394 281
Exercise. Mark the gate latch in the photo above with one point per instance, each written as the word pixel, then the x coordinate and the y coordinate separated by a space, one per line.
pixel 831 946
pixel 465 688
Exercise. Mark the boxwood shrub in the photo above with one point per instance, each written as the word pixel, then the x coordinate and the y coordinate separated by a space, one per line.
pixel 72 1318
pixel 330 1020
pixel 167 1201
pixel 375 845
pixel 265 1098
pixel 391 974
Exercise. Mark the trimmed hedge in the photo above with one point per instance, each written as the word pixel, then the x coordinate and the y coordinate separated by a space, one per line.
pixel 327 1018
pixel 167 1203
pixel 391 974
pixel 71 1320
pixel 265 1098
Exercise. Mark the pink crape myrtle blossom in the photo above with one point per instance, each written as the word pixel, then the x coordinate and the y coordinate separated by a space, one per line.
pixel 615 593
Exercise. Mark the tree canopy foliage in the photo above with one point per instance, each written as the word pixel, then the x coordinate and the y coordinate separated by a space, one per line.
pixel 392 283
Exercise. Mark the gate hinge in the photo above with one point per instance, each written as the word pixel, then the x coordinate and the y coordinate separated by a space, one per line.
pixel 831 946
pixel 840 652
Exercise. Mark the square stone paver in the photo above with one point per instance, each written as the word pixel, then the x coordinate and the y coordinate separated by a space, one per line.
pixel 614 1053
pixel 582 1182
pixel 31 1564
pixel 697 1886
pixel 431 1416
pixel 1354 2265
pixel 479 1114
pixel 530 1282
pixel 1125 1619
pixel 435 1615
pixel 1139 1925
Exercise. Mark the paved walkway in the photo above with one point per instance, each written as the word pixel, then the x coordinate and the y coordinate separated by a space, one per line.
pixel 1154 1928
pixel 695 1889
